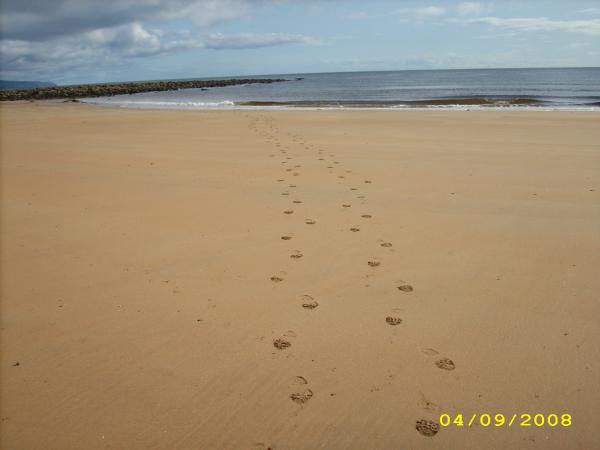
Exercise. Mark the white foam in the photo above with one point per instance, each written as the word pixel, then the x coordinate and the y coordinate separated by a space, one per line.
pixel 229 104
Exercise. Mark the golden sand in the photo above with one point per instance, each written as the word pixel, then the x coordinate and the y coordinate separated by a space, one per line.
pixel 297 280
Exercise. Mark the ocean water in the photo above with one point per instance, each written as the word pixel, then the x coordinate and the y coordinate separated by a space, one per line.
pixel 543 89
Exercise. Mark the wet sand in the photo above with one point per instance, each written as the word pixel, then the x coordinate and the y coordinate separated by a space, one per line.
pixel 297 280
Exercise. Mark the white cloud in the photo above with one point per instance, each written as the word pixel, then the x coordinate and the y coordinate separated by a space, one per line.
pixel 473 8
pixel 219 41
pixel 430 11
pixel 419 14
pixel 589 27
pixel 113 46
pixel 54 36
pixel 588 11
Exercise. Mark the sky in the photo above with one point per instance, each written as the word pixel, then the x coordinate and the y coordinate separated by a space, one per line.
pixel 89 41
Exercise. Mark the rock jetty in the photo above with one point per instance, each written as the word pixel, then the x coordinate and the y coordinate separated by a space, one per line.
pixel 107 90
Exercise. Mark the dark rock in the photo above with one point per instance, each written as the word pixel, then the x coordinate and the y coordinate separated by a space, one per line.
pixel 107 90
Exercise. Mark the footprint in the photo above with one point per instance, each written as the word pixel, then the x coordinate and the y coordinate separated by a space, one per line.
pixel 281 344
pixel 276 279
pixel 405 288
pixel 296 254
pixel 368 181
pixel 288 211
pixel 387 245
pixel 285 193
pixel 354 229
pixel 302 397
pixel 287 238
pixel 281 179
pixel 295 174
pixel 297 201
pixel 427 427
pixel 354 189
pixel 346 205
pixel 430 351
pixel 292 185
pixel 300 380
pixel 341 176
pixel 393 320
pixel 309 302
pixel 366 216
pixel 445 364
pixel 310 222
pixel 374 263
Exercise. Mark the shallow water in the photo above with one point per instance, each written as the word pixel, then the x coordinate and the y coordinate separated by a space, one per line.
pixel 562 89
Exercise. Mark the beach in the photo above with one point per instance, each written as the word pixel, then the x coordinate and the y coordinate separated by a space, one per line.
pixel 258 279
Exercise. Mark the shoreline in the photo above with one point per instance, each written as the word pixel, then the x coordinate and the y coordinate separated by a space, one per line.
pixel 231 106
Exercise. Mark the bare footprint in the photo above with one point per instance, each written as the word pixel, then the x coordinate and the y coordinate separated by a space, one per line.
pixel 354 229
pixel 445 364
pixel 310 222
pixel 345 205
pixel 366 216
pixel 287 238
pixel 368 181
pixel 276 279
pixel 302 397
pixel 281 344
pixel 427 427
pixel 374 263
pixel 296 254
pixel 393 320
pixel 297 201
pixel 387 245
pixel 285 193
pixel 405 288
pixel 288 211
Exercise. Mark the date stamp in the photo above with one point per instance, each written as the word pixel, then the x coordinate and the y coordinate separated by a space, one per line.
pixel 503 420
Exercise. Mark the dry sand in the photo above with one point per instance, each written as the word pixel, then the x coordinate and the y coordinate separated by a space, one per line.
pixel 138 250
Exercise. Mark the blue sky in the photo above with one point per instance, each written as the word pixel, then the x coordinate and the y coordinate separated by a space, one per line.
pixel 73 41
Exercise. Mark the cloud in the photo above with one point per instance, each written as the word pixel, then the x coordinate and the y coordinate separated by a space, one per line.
pixel 114 46
pixel 588 11
pixel 473 8
pixel 219 41
pixel 589 27
pixel 430 11
pixel 419 14
pixel 34 20
pixel 45 38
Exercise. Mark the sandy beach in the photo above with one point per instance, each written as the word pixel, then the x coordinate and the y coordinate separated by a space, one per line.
pixel 297 279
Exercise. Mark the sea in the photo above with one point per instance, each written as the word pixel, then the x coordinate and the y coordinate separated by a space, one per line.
pixel 564 89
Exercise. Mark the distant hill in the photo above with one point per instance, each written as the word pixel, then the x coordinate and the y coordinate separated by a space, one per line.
pixel 8 85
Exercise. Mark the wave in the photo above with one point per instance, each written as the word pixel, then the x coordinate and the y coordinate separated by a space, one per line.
pixel 159 104
pixel 467 101
pixel 444 103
